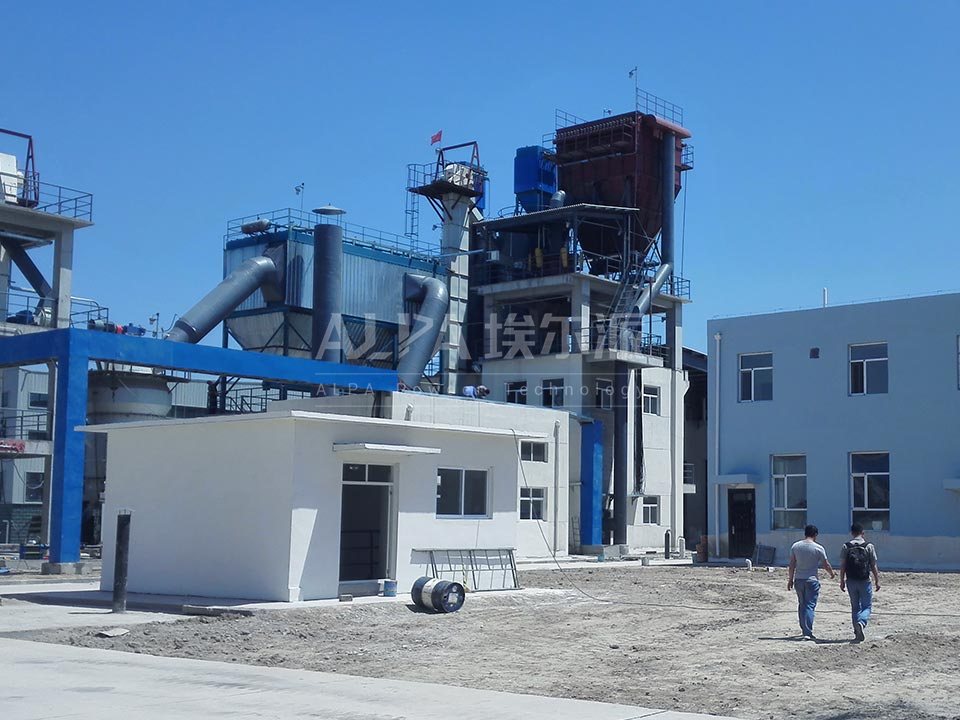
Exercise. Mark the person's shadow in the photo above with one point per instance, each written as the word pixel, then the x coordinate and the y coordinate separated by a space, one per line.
pixel 817 641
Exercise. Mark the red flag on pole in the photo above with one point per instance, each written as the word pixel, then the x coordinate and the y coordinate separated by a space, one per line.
pixel 436 137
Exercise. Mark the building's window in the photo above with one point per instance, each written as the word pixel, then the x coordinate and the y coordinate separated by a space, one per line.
pixel 533 503
pixel 37 400
pixel 651 510
pixel 37 435
pixel 604 399
pixel 33 487
pixel 354 473
pixel 689 473
pixel 756 377
pixel 651 400
pixel 789 491
pixel 552 392
pixel 870 476
pixel 517 392
pixel 868 369
pixel 461 493
pixel 533 451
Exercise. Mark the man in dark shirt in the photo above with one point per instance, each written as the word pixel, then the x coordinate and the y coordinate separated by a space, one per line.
pixel 858 560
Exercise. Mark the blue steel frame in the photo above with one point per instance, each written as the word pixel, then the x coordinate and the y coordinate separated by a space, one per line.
pixel 73 349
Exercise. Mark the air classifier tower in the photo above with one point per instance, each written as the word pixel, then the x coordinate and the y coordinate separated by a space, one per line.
pixel 582 289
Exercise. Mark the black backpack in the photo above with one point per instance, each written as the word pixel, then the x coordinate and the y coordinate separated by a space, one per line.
pixel 858 561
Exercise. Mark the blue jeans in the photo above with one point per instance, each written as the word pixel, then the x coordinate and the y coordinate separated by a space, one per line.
pixel 861 600
pixel 808 592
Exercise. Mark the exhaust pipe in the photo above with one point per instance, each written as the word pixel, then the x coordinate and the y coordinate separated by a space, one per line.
pixel 263 272
pixel 433 302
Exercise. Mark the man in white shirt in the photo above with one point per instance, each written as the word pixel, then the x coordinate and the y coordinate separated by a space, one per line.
pixel 806 558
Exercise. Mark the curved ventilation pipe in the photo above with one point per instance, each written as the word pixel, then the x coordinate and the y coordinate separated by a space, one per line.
pixel 651 290
pixel 261 272
pixel 433 302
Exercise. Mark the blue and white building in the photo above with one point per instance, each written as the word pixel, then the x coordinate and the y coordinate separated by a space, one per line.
pixel 833 415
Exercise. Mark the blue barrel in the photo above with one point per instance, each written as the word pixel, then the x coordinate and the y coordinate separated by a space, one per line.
pixel 435 595
pixel 389 588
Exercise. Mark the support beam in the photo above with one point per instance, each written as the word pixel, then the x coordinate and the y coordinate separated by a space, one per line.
pixel 62 278
pixel 25 264
pixel 66 488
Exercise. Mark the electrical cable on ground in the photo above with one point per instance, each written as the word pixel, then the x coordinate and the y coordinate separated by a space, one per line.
pixel 563 571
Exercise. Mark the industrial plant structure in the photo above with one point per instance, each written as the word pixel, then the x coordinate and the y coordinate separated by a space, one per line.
pixel 570 300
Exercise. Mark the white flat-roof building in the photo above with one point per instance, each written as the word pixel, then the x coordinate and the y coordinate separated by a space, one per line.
pixel 297 505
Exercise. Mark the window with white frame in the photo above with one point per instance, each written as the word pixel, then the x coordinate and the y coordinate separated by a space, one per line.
pixel 604 398
pixel 756 377
pixel 37 400
pixel 689 473
pixel 789 491
pixel 868 369
pixel 33 487
pixel 533 503
pixel 651 400
pixel 533 451
pixel 517 392
pixel 870 480
pixel 552 392
pixel 650 509
pixel 461 493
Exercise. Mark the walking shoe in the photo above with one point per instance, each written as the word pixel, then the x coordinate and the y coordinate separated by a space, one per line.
pixel 858 631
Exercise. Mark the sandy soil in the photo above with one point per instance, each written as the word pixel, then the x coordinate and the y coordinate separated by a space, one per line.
pixel 715 640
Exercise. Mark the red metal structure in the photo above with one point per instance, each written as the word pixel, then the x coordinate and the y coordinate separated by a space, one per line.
pixel 616 161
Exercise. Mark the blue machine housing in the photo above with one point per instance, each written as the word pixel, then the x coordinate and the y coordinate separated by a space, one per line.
pixel 534 177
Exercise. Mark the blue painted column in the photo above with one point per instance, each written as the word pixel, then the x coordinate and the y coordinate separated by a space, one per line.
pixel 66 492
pixel 591 483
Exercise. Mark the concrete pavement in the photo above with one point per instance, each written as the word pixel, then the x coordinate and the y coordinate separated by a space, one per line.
pixel 43 681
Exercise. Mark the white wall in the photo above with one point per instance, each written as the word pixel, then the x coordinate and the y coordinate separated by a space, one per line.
pixel 211 507
pixel 431 408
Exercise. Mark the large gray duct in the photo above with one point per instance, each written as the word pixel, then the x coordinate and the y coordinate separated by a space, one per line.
pixel 650 291
pixel 433 302
pixel 668 181
pixel 263 272
pixel 621 386
pixel 327 292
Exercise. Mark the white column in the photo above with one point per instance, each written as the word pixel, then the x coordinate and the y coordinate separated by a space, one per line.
pixel 62 277
pixel 580 315
pixel 455 242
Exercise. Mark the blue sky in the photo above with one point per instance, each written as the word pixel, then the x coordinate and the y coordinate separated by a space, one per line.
pixel 826 153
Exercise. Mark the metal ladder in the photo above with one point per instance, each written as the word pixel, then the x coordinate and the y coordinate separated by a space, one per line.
pixel 466 566
pixel 632 283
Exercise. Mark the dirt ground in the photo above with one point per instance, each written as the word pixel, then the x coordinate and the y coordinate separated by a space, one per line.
pixel 715 640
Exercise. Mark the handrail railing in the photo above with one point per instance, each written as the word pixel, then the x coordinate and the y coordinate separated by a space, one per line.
pixel 304 221
pixel 17 424
pixel 27 190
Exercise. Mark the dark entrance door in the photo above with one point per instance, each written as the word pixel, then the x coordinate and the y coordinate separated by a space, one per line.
pixel 363 532
pixel 742 514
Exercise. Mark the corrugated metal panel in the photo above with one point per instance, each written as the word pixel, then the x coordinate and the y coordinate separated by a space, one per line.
pixel 371 287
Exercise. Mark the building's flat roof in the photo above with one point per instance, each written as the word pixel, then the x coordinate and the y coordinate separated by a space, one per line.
pixel 945 295
pixel 312 417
